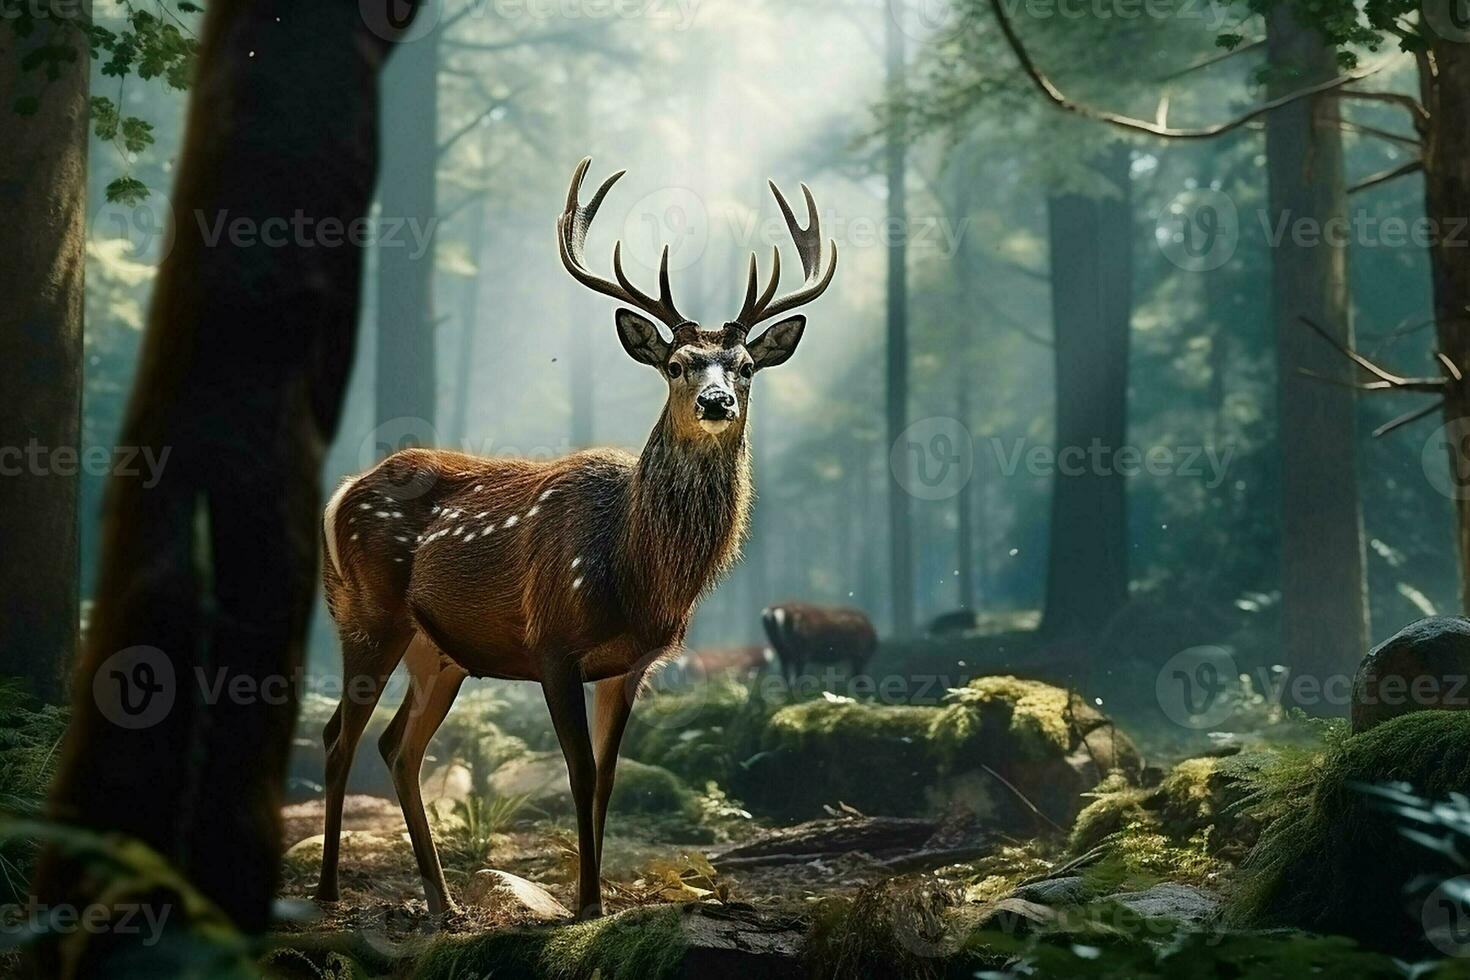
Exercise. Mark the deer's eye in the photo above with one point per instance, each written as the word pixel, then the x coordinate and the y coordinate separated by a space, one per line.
pixel 747 370
pixel 674 369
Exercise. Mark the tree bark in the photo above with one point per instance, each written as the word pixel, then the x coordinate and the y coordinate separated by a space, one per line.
pixel 406 395
pixel 184 703
pixel 1445 93
pixel 895 150
pixel 1324 612
pixel 1091 246
pixel 43 189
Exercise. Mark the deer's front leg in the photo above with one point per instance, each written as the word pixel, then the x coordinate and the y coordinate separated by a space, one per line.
pixel 561 682
pixel 614 703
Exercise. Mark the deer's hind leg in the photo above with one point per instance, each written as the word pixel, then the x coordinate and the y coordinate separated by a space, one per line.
pixel 434 683
pixel 368 660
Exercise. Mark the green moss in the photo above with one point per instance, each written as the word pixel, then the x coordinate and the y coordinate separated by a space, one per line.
pixel 651 789
pixel 995 740
pixel 1035 715
pixel 639 944
pixel 30 739
pixel 1200 818
pixel 701 734
pixel 1330 860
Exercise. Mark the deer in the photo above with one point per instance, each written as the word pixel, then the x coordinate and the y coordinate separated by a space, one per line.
pixel 803 631
pixel 580 570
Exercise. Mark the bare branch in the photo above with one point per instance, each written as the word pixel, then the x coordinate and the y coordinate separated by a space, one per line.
pixel 1415 108
pixel 1354 127
pixel 1390 379
pixel 1408 417
pixel 1213 59
pixel 1142 125
pixel 1384 176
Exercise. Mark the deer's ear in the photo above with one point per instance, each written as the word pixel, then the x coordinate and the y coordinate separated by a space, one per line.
pixel 641 339
pixel 778 342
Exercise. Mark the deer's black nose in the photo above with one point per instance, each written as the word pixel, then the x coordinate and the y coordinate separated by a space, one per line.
pixel 716 404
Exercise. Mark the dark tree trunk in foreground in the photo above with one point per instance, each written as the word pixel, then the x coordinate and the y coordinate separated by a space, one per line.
pixel 1444 81
pixel 207 578
pixel 406 390
pixel 900 511
pixel 1323 592
pixel 1091 245
pixel 43 190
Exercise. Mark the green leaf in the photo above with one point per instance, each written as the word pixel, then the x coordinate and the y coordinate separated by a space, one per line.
pixel 26 105
pixel 104 118
pixel 136 134
pixel 127 190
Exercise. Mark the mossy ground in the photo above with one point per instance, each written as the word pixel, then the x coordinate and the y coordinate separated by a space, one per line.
pixel 1331 860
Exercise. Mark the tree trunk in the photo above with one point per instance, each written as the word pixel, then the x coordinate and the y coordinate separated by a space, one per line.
pixel 407 192
pixel 43 190
pixel 964 503
pixel 1323 594
pixel 1445 92
pixel 1091 246
pixel 185 701
pixel 470 309
pixel 900 515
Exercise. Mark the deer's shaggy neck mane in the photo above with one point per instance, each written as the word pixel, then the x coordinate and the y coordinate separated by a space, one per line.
pixel 688 506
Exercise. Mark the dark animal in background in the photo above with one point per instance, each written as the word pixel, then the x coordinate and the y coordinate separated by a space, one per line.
pixel 803 633
pixel 955 623
pixel 740 663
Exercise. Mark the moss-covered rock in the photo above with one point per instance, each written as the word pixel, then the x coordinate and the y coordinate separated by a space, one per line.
pixel 540 778
pixel 700 734
pixel 996 746
pixel 1195 816
pixel 1332 860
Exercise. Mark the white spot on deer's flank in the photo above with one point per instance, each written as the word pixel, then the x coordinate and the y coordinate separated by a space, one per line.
pixel 577 582
pixel 397 513
pixel 400 537
pixel 479 487
pixel 353 538
pixel 576 561
pixel 364 506
pixel 380 513
pixel 532 511
pixel 546 493
pixel 511 520
pixel 457 531
pixel 482 515
pixel 469 536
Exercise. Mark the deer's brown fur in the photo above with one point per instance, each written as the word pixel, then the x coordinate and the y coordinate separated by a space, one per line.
pixel 585 568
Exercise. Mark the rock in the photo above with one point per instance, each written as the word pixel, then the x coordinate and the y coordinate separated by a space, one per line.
pixel 1425 665
pixel 450 783
pixel 494 889
pixel 1015 916
pixel 998 747
pixel 541 777
pixel 1170 900
pixel 1070 890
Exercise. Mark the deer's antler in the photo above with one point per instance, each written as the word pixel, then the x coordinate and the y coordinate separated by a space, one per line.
pixel 758 308
pixel 571 235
